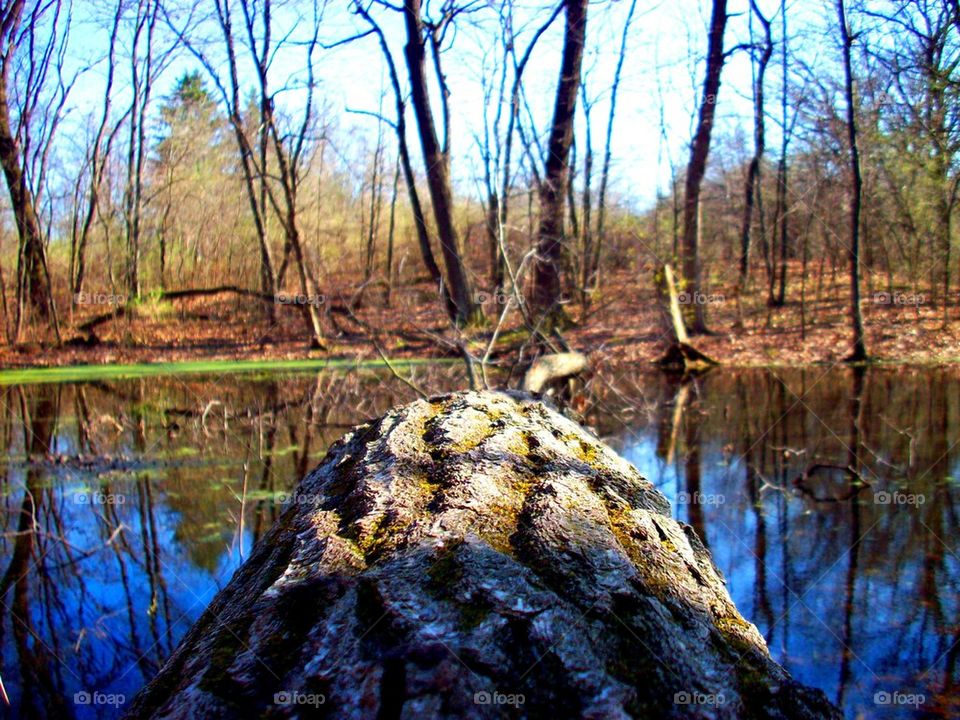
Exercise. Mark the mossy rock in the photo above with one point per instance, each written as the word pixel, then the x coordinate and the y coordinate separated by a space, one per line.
pixel 469 556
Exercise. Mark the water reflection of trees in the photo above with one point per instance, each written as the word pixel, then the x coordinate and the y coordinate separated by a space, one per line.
pixel 95 596
pixel 854 595
pixel 128 504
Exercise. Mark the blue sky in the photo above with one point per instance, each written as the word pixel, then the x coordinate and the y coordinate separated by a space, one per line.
pixel 662 73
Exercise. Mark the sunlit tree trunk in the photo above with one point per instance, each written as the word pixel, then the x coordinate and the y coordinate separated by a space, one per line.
pixel 547 293
pixel 594 275
pixel 437 161
pixel 759 142
pixel 859 352
pixel 33 284
pixel 697 167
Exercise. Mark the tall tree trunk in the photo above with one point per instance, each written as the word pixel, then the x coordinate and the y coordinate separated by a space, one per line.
pixel 859 352
pixel 33 285
pixel 268 284
pixel 419 219
pixel 759 143
pixel 696 168
pixel 99 155
pixel 436 159
pixel 547 289
pixel 494 229
pixel 390 231
pixel 141 87
pixel 782 168
pixel 376 198
pixel 586 203
pixel 594 278
pixel 35 288
pixel 288 214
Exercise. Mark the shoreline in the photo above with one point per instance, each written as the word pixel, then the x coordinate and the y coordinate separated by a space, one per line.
pixel 92 372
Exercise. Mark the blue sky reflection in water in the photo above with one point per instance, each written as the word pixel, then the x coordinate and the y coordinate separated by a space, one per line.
pixel 138 503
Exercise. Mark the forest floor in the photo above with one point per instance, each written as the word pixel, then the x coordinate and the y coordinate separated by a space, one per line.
pixel 623 325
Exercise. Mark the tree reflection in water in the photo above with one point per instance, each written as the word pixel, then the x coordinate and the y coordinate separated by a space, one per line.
pixel 828 498
pixel 128 504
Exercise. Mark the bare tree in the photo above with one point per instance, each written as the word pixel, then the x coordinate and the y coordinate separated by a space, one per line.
pixel 289 149
pixel 547 291
pixel 253 175
pixel 33 38
pixel 436 154
pixel 143 73
pixel 97 161
pixel 503 152
pixel 697 166
pixel 592 277
pixel 376 198
pixel 782 217
pixel 859 352
pixel 750 188
pixel 391 232
pixel 406 164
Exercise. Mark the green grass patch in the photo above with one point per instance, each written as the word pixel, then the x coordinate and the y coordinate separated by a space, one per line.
pixel 88 373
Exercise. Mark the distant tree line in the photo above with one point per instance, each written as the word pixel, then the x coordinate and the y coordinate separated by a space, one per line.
pixel 242 176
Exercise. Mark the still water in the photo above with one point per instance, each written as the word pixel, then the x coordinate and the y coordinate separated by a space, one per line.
pixel 828 498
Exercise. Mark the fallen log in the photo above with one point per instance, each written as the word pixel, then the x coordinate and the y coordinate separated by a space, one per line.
pixel 121 311
pixel 470 556
pixel 681 354
pixel 550 368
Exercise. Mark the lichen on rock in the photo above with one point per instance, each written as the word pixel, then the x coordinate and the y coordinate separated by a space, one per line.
pixel 476 555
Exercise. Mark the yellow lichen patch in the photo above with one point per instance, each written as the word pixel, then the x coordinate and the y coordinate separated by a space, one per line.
pixel 436 408
pixel 732 624
pixel 522 486
pixel 425 486
pixel 495 414
pixel 371 533
pixel 643 554
pixel 736 631
pixel 473 438
pixel 587 452
pixel 499 537
pixel 382 534
pixel 624 530
pixel 669 545
pixel 518 443
pixel 458 434
pixel 581 449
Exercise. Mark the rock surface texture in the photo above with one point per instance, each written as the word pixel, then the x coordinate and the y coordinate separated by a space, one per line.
pixel 476 555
